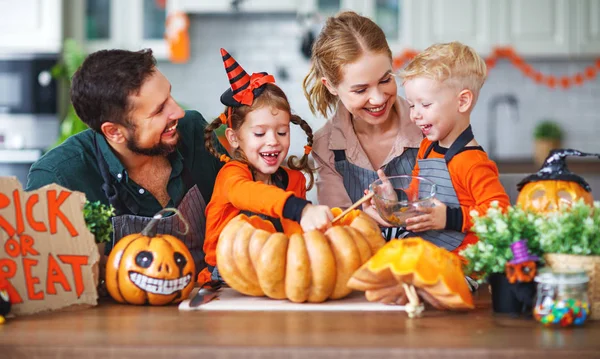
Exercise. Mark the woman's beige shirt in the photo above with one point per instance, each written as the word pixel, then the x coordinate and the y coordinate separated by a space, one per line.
pixel 338 134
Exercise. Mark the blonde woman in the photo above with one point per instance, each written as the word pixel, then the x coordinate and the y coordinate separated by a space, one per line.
pixel 351 83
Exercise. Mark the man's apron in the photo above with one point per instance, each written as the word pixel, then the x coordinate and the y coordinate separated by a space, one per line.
pixel 127 221
pixel 436 170
pixel 357 179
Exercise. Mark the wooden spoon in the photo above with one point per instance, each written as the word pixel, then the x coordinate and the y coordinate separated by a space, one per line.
pixel 365 198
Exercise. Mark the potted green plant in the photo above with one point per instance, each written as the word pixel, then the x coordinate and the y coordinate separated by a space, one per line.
pixel 73 56
pixel 570 237
pixel 497 230
pixel 548 135
pixel 97 217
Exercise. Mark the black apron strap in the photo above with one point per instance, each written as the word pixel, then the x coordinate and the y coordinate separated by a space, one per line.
pixel 460 143
pixel 339 155
pixel 428 151
pixel 188 180
pixel 120 200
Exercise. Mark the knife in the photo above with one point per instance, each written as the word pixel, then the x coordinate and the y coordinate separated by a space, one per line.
pixel 207 292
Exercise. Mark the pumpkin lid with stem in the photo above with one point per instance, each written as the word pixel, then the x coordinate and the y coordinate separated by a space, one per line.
pixel 149 230
pixel 555 168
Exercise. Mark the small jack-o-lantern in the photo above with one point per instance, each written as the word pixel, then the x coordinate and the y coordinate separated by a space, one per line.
pixel 149 268
pixel 522 268
pixel 554 185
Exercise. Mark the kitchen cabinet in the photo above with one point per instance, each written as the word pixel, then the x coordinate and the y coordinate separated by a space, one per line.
pixel 435 21
pixel 587 18
pixel 130 25
pixel 227 6
pixel 390 15
pixel 537 27
pixel 31 26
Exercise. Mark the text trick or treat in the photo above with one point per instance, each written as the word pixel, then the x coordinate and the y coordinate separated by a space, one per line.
pixel 46 251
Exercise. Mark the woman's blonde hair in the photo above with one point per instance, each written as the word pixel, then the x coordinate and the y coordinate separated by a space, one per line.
pixel 344 38
pixel 272 96
pixel 453 63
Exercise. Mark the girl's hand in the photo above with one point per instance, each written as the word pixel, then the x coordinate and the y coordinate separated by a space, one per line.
pixel 433 218
pixel 316 217
pixel 369 208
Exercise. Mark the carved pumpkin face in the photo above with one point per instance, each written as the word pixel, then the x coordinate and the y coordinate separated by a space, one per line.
pixel 547 196
pixel 155 270
pixel 520 272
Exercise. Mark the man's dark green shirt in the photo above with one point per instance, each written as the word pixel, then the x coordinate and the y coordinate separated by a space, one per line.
pixel 74 165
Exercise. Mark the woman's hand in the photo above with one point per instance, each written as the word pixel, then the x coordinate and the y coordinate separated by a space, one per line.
pixel 316 217
pixel 433 218
pixel 385 189
pixel 369 208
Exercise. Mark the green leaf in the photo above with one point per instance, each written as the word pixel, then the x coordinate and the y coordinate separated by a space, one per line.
pixel 98 220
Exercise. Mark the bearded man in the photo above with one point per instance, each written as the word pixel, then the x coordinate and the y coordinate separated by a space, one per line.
pixel 142 152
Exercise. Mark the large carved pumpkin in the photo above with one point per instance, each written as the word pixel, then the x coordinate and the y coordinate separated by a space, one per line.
pixel 554 185
pixel 256 260
pixel 149 268
pixel 549 195
pixel 433 271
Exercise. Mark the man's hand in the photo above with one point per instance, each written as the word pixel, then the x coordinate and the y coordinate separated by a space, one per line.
pixel 433 218
pixel 316 217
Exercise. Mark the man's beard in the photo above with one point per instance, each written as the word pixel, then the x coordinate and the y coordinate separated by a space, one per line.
pixel 160 149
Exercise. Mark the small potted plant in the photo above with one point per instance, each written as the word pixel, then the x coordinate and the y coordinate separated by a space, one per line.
pixel 97 217
pixel 570 237
pixel 498 231
pixel 548 136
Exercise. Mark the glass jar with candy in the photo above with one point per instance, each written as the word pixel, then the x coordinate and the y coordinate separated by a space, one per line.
pixel 561 298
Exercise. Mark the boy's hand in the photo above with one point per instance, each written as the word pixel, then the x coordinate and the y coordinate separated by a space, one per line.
pixel 434 218
pixel 385 189
pixel 316 217
pixel 369 208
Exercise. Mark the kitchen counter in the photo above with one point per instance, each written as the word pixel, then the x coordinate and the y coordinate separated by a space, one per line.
pixel 579 166
pixel 120 331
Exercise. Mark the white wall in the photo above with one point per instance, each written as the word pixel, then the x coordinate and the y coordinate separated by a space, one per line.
pixel 271 42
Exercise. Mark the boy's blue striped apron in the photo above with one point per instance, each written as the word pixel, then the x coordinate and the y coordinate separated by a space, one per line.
pixel 436 170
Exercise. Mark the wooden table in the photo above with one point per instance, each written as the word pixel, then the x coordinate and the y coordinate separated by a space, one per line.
pixel 120 331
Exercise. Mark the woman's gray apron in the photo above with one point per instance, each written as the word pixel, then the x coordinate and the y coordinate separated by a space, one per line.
pixel 357 179
pixel 436 170
pixel 127 221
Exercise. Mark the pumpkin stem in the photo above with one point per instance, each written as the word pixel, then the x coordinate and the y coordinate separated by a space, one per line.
pixel 148 231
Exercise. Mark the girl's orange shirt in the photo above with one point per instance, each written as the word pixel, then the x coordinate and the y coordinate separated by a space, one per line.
pixel 236 190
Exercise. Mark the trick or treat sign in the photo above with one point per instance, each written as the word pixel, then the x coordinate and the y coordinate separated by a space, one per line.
pixel 46 251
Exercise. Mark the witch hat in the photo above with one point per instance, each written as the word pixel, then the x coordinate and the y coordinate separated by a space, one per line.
pixel 555 168
pixel 243 87
pixel 521 252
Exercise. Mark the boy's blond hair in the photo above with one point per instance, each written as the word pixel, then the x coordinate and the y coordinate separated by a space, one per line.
pixel 453 63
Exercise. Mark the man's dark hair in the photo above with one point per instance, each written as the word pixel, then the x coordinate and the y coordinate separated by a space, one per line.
pixel 101 86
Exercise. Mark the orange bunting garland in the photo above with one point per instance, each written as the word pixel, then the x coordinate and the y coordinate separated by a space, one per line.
pixel 588 74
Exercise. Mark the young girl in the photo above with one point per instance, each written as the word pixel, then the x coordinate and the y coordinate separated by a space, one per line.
pixel 351 83
pixel 258 116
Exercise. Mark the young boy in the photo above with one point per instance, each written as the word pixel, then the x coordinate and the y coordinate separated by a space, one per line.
pixel 442 85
